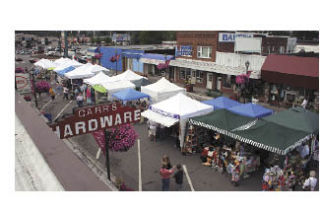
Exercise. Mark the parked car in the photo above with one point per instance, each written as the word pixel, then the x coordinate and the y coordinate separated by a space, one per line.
pixel 19 59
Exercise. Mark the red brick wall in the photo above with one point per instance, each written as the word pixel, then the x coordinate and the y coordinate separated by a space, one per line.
pixel 226 47
pixel 198 38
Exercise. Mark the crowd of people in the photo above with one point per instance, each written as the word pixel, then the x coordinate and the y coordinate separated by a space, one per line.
pixel 297 173
pixel 230 159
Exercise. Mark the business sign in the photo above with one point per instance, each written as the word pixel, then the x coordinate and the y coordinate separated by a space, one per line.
pixel 90 119
pixel 231 37
pixel 23 83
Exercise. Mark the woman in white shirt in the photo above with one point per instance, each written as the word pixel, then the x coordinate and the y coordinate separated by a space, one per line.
pixel 310 183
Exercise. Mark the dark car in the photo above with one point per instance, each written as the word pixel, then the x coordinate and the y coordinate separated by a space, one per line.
pixel 19 59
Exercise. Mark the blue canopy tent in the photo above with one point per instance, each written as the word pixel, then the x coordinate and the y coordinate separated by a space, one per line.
pixel 129 95
pixel 251 110
pixel 221 103
pixel 66 70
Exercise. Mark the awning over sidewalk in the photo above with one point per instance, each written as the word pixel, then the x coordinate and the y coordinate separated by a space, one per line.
pixel 291 70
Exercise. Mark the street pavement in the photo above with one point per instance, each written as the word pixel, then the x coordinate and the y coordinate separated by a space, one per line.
pixel 125 164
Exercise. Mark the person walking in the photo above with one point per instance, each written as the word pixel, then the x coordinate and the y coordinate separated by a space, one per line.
pixel 65 93
pixel 178 176
pixel 79 99
pixel 165 176
pixel 59 89
pixel 52 93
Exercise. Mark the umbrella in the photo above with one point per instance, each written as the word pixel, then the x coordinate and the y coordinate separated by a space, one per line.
pixel 99 88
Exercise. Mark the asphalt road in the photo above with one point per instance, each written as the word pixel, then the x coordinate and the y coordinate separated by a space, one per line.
pixel 125 164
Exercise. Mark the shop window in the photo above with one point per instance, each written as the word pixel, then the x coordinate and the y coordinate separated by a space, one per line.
pixel 281 49
pixel 199 76
pixel 182 75
pixel 226 81
pixel 204 51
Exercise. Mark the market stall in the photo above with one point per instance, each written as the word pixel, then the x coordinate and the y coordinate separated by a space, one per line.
pixel 127 76
pixel 162 90
pixel 83 71
pixel 65 64
pixel 141 82
pixel 221 103
pixel 45 63
pixel 113 87
pixel 98 78
pixel 251 110
pixel 129 95
pixel 176 109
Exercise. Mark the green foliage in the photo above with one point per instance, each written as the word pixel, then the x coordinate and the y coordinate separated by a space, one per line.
pixel 153 37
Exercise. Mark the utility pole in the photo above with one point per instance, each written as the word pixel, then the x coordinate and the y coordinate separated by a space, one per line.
pixel 65 44
pixel 106 138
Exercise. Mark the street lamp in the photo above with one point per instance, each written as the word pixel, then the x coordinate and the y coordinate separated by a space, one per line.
pixel 247 66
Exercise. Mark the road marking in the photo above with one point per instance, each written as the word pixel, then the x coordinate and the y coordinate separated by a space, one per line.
pixel 188 178
pixel 46 104
pixel 98 153
pixel 139 163
pixel 62 110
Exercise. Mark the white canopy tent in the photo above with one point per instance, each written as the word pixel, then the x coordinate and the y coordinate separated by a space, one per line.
pixel 61 61
pixel 162 90
pixel 97 68
pixel 45 63
pixel 66 64
pixel 127 76
pixel 97 79
pixel 178 108
pixel 113 87
pixel 80 72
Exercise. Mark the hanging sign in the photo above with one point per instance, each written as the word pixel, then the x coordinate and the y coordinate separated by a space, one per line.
pixel 90 119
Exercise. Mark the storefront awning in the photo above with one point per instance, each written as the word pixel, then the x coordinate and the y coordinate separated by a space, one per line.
pixel 291 70
pixel 158 118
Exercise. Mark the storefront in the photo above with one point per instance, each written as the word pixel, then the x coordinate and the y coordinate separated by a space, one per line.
pixel 290 80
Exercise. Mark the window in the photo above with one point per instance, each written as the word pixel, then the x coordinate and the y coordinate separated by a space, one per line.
pixel 199 76
pixel 204 52
pixel 281 50
pixel 227 81
pixel 182 75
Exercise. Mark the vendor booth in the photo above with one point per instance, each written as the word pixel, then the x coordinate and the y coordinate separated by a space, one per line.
pixel 81 72
pixel 141 82
pixel 251 110
pixel 129 95
pixel 221 103
pixel 97 79
pixel 45 63
pixel 113 87
pixel 67 63
pixel 162 90
pixel 127 76
pixel 66 70
pixel 176 109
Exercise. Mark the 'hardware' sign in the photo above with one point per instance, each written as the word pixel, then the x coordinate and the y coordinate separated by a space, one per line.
pixel 90 119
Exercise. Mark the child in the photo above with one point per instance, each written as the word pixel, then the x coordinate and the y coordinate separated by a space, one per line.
pixel 52 93
pixel 179 178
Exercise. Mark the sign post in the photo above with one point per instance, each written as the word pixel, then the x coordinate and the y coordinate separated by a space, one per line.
pixel 106 137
